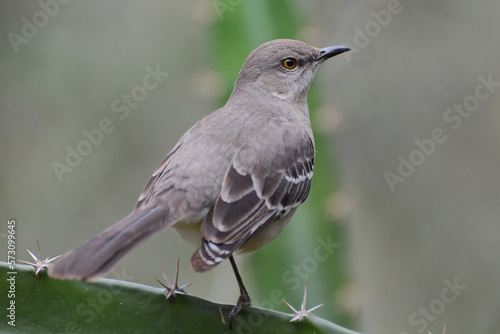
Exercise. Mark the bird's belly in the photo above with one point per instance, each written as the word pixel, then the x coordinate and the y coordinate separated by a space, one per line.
pixel 266 234
pixel 189 229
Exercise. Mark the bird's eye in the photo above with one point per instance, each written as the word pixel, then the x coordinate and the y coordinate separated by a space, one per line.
pixel 289 63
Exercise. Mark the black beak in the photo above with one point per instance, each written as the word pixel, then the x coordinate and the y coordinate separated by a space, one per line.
pixel 331 51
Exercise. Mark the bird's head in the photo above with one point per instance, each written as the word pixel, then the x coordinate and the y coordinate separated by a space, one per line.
pixel 285 68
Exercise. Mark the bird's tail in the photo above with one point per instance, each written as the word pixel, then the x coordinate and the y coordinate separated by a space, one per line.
pixel 97 256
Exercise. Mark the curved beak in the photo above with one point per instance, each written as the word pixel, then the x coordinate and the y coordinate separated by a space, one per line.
pixel 331 51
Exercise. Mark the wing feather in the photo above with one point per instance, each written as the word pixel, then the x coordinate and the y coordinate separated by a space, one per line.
pixel 147 192
pixel 248 201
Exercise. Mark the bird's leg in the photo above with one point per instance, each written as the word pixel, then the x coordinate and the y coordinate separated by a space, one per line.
pixel 243 300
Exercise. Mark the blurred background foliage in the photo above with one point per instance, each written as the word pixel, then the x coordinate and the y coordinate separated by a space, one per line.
pixel 412 61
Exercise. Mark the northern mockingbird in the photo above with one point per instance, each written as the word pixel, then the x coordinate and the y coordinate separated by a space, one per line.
pixel 234 180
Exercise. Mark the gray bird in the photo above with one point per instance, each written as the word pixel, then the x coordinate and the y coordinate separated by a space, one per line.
pixel 234 180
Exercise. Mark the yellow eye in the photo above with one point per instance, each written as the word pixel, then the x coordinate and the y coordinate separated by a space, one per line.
pixel 289 63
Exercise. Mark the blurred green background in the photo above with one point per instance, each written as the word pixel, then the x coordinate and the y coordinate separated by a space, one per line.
pixel 390 251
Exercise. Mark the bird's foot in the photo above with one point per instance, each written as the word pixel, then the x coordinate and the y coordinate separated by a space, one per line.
pixel 243 301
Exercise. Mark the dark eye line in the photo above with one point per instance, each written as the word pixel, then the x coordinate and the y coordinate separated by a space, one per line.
pixel 304 61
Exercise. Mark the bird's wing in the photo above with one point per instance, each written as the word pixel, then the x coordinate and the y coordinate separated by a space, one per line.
pixel 148 192
pixel 248 200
